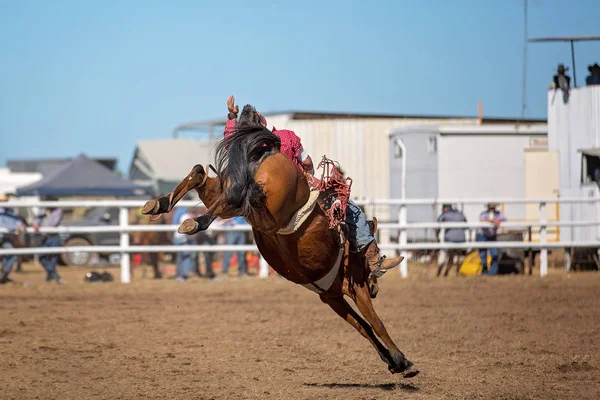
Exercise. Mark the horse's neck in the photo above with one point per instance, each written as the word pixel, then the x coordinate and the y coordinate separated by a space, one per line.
pixel 211 196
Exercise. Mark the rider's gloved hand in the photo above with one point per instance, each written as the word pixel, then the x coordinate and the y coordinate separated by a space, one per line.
pixel 232 108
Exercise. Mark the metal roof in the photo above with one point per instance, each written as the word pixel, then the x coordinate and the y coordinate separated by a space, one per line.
pixel 46 166
pixel 308 115
pixel 82 177
pixel 506 129
pixel 172 159
pixel 475 129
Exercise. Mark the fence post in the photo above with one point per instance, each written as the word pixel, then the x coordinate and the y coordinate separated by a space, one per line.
pixel 543 241
pixel 123 224
pixel 263 270
pixel 403 241
pixel 442 240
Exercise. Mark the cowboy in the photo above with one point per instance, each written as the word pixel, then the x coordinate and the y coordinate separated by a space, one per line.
pixel 495 217
pixel 9 220
pixel 594 77
pixel 561 80
pixel 50 217
pixel 358 228
pixel 451 235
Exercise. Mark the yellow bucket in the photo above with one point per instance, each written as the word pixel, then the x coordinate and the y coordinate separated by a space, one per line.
pixel 472 264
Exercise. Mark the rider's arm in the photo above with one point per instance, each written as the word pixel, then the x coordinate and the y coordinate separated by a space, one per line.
pixel 306 161
pixel 231 116
pixel 230 127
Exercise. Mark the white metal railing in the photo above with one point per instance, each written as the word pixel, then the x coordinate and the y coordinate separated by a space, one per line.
pixel 124 228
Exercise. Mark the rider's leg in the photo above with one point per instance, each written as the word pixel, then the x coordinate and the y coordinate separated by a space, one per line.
pixel 360 238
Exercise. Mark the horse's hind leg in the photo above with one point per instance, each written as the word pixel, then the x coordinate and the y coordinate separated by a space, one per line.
pixel 165 204
pixel 343 309
pixel 363 302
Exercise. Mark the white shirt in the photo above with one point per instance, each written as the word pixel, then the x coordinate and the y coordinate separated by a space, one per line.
pixel 183 218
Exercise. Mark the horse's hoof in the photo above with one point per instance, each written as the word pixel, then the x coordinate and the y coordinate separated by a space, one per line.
pixel 410 372
pixel 151 207
pixel 188 227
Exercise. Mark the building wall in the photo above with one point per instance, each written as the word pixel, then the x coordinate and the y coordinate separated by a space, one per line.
pixel 483 166
pixel 361 146
pixel 541 181
pixel 573 126
pixel 581 212
pixel 421 174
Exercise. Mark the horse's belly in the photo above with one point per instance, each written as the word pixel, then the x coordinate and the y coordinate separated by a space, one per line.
pixel 304 256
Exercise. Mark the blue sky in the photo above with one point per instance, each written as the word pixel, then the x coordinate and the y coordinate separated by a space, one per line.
pixel 96 76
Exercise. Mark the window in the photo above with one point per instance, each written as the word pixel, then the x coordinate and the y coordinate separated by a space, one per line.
pixel 590 171
pixel 431 145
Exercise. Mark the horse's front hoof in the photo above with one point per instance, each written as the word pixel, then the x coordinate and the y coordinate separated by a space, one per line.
pixel 188 227
pixel 151 207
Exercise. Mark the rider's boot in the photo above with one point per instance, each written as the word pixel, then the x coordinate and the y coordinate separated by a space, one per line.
pixel 378 264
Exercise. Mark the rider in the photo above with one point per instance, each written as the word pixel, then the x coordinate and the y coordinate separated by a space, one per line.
pixel 290 142
pixel 359 231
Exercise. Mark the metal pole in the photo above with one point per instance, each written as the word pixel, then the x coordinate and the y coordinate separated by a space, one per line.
pixel 125 267
pixel 573 61
pixel 524 81
pixel 403 241
pixel 402 219
pixel 543 241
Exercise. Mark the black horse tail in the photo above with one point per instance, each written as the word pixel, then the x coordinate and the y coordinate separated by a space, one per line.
pixel 237 159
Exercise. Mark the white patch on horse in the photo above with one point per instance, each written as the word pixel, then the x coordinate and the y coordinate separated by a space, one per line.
pixel 301 215
pixel 326 281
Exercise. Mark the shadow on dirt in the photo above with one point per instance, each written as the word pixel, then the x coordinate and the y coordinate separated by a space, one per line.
pixel 383 386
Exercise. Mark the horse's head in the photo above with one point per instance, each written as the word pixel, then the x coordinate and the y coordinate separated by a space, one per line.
pixel 250 116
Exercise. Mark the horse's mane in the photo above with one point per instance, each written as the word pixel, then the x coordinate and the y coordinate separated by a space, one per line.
pixel 238 156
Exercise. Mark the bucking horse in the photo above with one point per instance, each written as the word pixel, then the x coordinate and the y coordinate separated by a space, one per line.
pixel 297 230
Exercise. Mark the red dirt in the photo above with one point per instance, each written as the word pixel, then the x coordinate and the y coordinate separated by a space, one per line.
pixel 472 338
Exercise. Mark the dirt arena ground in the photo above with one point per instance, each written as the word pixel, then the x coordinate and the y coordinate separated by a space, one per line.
pixel 473 338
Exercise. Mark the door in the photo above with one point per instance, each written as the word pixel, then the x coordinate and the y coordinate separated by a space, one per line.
pixel 542 181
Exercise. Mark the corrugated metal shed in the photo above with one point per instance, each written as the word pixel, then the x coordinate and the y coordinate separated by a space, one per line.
pixel 165 162
pixel 361 146
pixel 478 166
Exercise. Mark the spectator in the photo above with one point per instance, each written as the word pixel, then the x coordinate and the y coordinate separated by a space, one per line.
pixel 235 238
pixel 50 217
pixel 561 80
pixel 8 220
pixel 184 259
pixel 206 238
pixel 452 235
pixel 488 234
pixel 594 77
